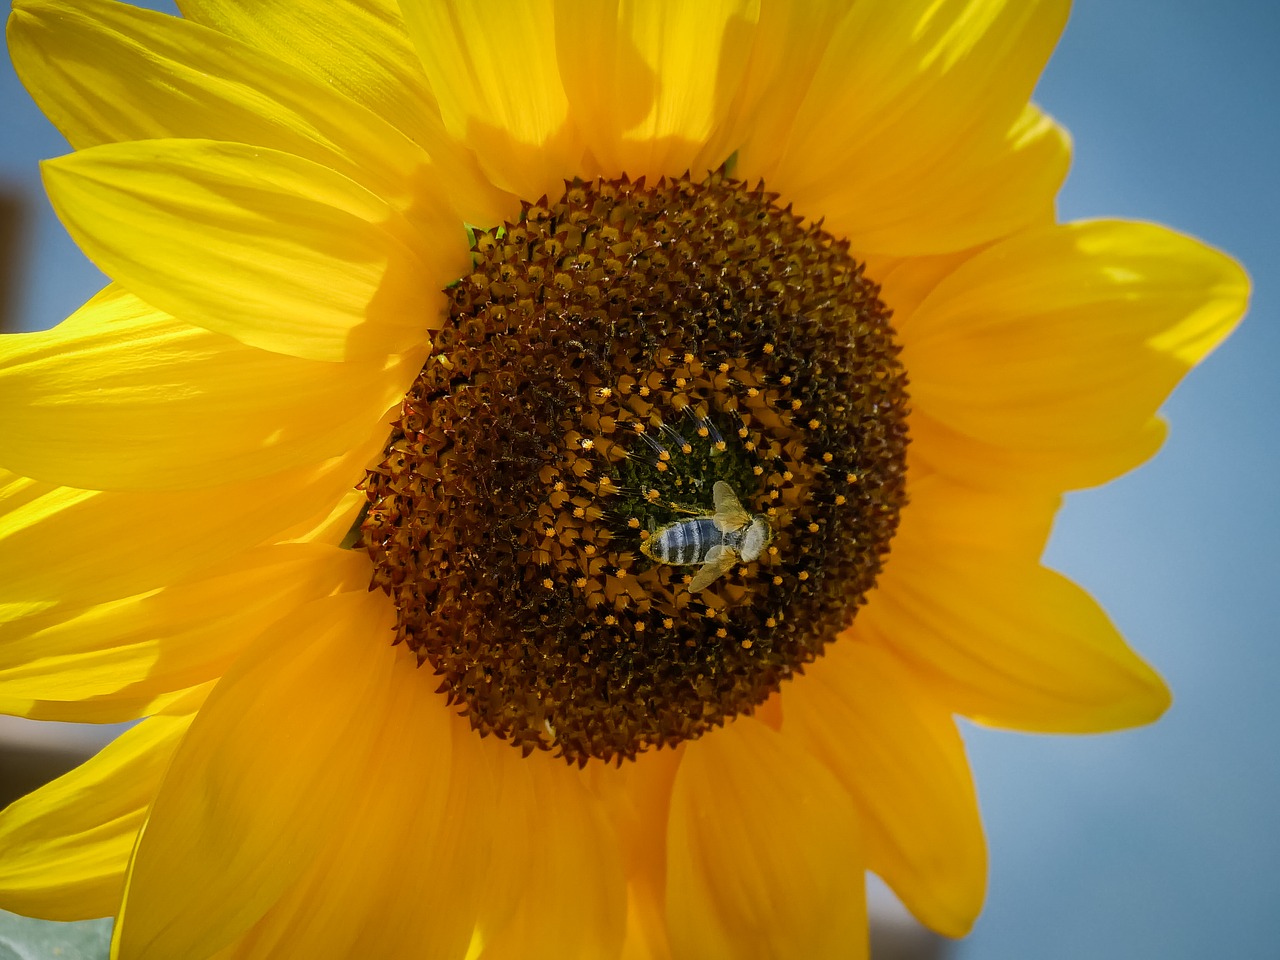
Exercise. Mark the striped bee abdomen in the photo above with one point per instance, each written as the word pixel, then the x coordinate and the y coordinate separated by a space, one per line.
pixel 684 543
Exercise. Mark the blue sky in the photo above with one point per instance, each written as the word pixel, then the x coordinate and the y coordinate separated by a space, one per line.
pixel 1163 842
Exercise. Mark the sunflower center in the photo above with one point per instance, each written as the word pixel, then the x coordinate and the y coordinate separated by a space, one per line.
pixel 651 468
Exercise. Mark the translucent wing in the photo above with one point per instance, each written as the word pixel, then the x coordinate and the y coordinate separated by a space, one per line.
pixel 719 559
pixel 729 514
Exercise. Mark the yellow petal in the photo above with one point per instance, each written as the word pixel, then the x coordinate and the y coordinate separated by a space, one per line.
pixel 789 41
pixel 60 661
pixel 637 797
pixel 128 543
pixel 900 757
pixel 570 898
pixel 278 755
pixel 916 137
pixel 906 282
pixel 763 853
pixel 648 84
pixel 375 65
pixel 494 72
pixel 378 885
pixel 122 396
pixel 65 847
pixel 996 636
pixel 1066 339
pixel 105 72
pixel 273 250
pixel 961 457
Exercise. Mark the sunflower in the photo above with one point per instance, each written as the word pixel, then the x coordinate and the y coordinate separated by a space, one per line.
pixel 545 477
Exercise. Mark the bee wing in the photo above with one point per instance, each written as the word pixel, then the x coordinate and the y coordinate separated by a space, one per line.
pixel 719 559
pixel 729 514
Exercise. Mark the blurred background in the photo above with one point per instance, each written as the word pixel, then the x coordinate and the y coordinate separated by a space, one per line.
pixel 1162 842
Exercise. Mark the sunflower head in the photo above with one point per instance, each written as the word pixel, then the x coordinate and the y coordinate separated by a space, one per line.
pixel 612 356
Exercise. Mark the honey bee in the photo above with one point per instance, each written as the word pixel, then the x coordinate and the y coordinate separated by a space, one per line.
pixel 713 542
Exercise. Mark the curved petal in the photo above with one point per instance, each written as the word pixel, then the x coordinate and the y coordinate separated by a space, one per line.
pixel 494 72
pixel 994 635
pixel 650 85
pixel 273 250
pixel 1067 339
pixel 637 798
pixel 916 136
pixel 69 658
pixel 763 854
pixel 507 848
pixel 122 396
pixel 789 42
pixel 898 754
pixel 279 754
pixel 375 65
pixel 571 896
pixel 106 72
pixel 378 885
pixel 64 848
pixel 905 283
pixel 937 447
pixel 129 543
